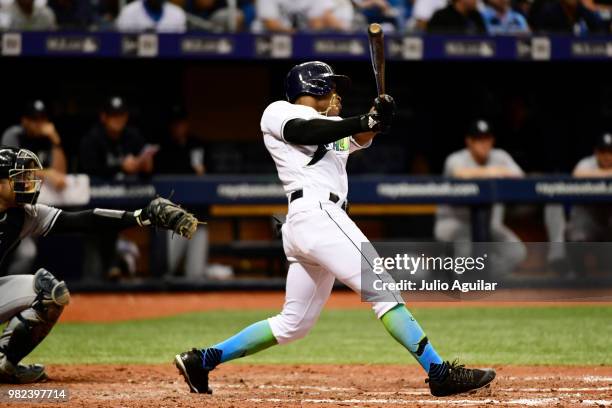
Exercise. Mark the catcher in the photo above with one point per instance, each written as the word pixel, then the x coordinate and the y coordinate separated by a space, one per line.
pixel 32 304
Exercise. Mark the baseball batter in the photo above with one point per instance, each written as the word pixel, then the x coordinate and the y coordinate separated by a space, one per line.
pixel 31 304
pixel 310 145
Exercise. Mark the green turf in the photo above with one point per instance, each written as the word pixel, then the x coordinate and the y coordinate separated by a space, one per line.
pixel 552 335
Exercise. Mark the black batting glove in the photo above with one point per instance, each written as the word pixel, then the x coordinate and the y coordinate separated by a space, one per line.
pixel 384 106
pixel 381 117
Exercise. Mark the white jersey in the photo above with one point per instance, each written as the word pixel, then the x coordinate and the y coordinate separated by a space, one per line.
pixel 290 13
pixel 318 170
pixel 134 17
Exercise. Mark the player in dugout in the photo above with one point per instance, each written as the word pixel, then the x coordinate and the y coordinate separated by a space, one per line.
pixel 591 222
pixel 480 159
pixel 32 304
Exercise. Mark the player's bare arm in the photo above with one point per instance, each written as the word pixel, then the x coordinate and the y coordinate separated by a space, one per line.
pixel 593 173
pixel 485 172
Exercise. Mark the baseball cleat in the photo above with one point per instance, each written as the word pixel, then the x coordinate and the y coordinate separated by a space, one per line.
pixel 191 366
pixel 21 373
pixel 460 379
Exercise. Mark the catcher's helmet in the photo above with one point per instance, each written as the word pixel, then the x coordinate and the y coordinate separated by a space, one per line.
pixel 21 167
pixel 313 78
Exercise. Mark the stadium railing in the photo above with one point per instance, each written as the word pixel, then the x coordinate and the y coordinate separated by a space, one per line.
pixel 301 46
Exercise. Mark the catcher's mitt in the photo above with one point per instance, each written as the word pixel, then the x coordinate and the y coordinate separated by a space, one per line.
pixel 164 213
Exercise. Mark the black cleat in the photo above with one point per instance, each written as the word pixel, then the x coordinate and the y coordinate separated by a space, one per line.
pixel 191 366
pixel 460 379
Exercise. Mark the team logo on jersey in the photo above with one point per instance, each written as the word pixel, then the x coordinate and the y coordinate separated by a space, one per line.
pixel 342 145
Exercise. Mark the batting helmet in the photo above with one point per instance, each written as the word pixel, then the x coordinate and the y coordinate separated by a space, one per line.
pixel 313 78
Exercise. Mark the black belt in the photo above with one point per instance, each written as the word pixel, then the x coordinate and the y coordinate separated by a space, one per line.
pixel 332 197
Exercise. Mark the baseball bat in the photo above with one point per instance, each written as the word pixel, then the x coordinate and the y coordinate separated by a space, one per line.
pixel 377 55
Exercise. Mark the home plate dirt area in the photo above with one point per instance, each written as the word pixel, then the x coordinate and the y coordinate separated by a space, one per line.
pixel 240 385
pixel 243 384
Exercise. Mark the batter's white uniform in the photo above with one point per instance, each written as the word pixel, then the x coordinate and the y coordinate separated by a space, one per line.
pixel 321 242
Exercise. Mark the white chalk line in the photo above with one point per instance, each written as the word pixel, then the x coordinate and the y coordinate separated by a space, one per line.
pixel 559 394
pixel 414 391
pixel 597 402
pixel 532 402
pixel 585 378
pixel 557 389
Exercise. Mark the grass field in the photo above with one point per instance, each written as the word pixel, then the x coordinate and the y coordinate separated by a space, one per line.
pixel 579 335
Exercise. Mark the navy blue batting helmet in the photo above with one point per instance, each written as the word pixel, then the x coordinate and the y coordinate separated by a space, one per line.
pixel 313 78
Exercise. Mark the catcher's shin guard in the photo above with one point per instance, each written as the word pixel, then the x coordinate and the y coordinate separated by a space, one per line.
pixel 28 328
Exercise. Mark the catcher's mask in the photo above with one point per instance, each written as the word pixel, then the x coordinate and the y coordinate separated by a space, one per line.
pixel 23 174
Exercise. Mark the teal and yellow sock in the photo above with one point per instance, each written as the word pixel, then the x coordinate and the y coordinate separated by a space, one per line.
pixel 400 323
pixel 252 339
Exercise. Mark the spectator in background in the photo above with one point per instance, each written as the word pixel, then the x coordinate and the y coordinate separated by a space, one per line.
pixel 453 224
pixel 213 15
pixel 182 154
pixel 422 11
pixel 72 14
pixel 39 135
pixel 387 12
pixel 106 12
pixel 564 16
pixel 380 11
pixel 501 19
pixel 112 149
pixel 599 6
pixel 287 16
pixel 152 15
pixel 459 17
pixel 348 20
pixel 522 6
pixel 25 15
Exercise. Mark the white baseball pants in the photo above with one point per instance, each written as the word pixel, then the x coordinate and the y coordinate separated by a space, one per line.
pixel 322 244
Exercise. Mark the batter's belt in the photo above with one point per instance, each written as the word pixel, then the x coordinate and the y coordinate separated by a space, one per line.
pixel 297 194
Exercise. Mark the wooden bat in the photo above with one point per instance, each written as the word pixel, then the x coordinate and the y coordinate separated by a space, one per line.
pixel 377 54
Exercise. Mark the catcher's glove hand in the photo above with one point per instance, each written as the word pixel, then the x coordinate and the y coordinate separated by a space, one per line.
pixel 164 213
